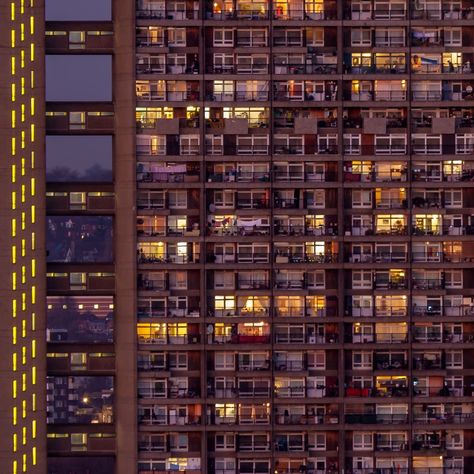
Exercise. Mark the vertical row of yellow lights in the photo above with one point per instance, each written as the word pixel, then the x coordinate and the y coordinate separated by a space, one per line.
pixel 23 274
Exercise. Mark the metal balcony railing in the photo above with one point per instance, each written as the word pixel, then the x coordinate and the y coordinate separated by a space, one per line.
pixel 287 256
pixel 375 418
pixel 150 257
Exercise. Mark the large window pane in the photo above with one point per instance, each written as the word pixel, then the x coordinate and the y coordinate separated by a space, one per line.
pixel 80 400
pixel 79 239
pixel 74 78
pixel 79 158
pixel 82 319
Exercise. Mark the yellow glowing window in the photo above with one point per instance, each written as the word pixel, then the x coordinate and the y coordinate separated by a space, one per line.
pixel 178 329
pixel 224 303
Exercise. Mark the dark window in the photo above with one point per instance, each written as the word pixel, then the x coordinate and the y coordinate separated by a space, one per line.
pixel 83 319
pixel 79 239
pixel 79 158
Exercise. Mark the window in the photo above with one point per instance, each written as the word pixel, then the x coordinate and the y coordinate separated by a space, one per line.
pixel 71 10
pixel 223 62
pixel 189 144
pixel 362 279
pixel 224 361
pixel 223 37
pixel 252 144
pixel 252 64
pixel 223 90
pixel 361 37
pixel 362 441
pixel 315 36
pixel 394 144
pixel 178 360
pixel 390 37
pixel 316 360
pixel 77 120
pixel 253 37
pixel 327 144
pixel 254 467
pixel 225 465
pixel 352 144
pixel 176 36
pixel 77 39
pixel 427 144
pixel 224 441
pixel 464 143
pixel 78 442
pixel 453 279
pixel 362 360
pixel 361 198
pixel 66 80
pixel 454 359
pixel 224 199
pixel 453 198
pixel 317 441
pixel 453 36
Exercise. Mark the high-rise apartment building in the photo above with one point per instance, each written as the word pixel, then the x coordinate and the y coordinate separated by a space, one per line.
pixel 258 244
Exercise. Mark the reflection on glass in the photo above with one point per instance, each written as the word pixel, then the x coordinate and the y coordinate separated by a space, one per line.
pixel 80 319
pixel 79 239
pixel 81 465
pixel 80 400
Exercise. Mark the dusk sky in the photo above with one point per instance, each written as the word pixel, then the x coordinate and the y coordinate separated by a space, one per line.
pixel 86 10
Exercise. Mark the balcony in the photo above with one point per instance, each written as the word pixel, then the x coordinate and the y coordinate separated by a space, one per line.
pixel 191 230
pixel 443 14
pixel 385 392
pixel 253 284
pixel 238 14
pixel 293 229
pixel 389 311
pixel 287 256
pixel 150 257
pixel 433 338
pixel 288 13
pixel 304 392
pixel 379 230
pixel 394 13
pixel 169 176
pixel 390 445
pixel 168 339
pixel 242 230
pixel 390 363
pixel 248 95
pixel 149 284
pixel 166 14
pixel 305 311
pixel 238 176
pixel 427 284
pixel 391 69
pixel 285 338
pixel 167 420
pixel 295 419
pixel 375 418
pixel 292 69
pixel 320 177
pixel 173 392
pixel 379 338
pixel 290 365
pixel 443 418
pixel 379 257
pixel 145 311
pixel 430 311
pixel 425 363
